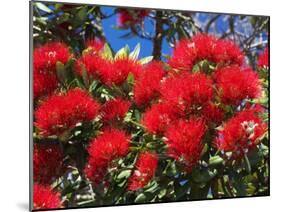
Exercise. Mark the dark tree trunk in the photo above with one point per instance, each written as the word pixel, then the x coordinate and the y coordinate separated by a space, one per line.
pixel 157 41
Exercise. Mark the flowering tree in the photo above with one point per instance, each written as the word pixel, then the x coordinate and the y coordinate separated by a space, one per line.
pixel 113 128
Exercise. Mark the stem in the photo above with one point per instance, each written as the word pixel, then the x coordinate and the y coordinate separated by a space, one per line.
pixel 135 123
pixel 157 47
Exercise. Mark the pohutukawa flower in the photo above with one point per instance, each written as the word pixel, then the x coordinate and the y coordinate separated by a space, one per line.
pixel 189 52
pixel 235 84
pixel 146 166
pixel 47 163
pixel 241 133
pixel 94 45
pixel 263 59
pixel 93 64
pixel 227 53
pixel 62 112
pixel 45 198
pixel 129 17
pixel 157 118
pixel 45 57
pixel 44 84
pixel 188 90
pixel 147 86
pixel 213 113
pixel 112 144
pixel 115 109
pixel 184 140
pixel 117 72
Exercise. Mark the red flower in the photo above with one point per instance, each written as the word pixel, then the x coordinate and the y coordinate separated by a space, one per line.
pixel 227 52
pixel 93 64
pixel 147 86
pixel 44 83
pixel 45 57
pixel 117 72
pixel 44 66
pixel 185 141
pixel 235 84
pixel 111 145
pixel 146 166
pixel 128 17
pixel 159 117
pixel 241 133
pixel 263 59
pixel 213 113
pixel 115 109
pixel 188 90
pixel 62 112
pixel 188 52
pixel 95 45
pixel 45 198
pixel 47 163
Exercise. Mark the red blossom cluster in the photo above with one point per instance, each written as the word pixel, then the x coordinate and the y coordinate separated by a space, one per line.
pixel 204 86
pixel 61 112
pixel 112 144
pixel 146 166
pixel 185 141
pixel 45 198
pixel 108 72
pixel 263 59
pixel 235 84
pixel 192 96
pixel 114 110
pixel 47 163
pixel 242 132
pixel 45 58
pixel 130 17
pixel 188 52
pixel 147 87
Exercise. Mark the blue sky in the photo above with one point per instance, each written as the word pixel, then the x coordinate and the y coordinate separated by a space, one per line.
pixel 113 36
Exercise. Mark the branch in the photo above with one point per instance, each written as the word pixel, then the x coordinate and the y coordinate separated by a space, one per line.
pixel 157 41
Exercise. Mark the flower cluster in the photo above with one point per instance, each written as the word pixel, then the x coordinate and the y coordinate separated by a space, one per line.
pixel 138 116
pixel 147 87
pixel 47 163
pixel 62 112
pixel 235 84
pixel 103 150
pixel 108 72
pixel 129 17
pixel 45 198
pixel 114 110
pixel 146 166
pixel 45 59
pixel 241 133
pixel 185 141
pixel 201 47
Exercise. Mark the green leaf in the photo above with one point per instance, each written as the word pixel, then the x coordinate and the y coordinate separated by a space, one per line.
pixel 146 60
pixel 140 198
pixel 60 71
pixel 107 53
pixel 135 53
pixel 247 163
pixel 82 14
pixel 162 193
pixel 216 160
pixel 124 174
pixel 152 187
pixel 122 53
pixel 203 176
pixel 43 7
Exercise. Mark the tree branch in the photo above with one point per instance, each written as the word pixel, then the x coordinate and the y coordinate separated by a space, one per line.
pixel 157 41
